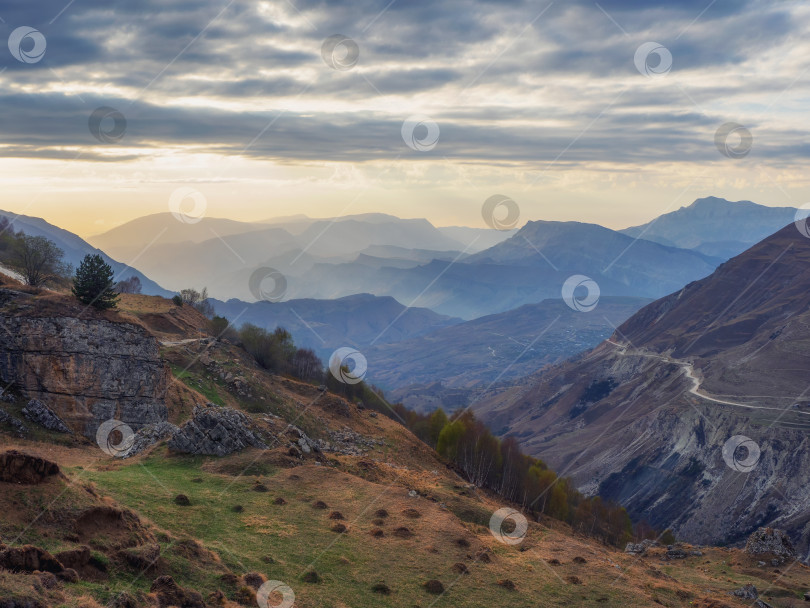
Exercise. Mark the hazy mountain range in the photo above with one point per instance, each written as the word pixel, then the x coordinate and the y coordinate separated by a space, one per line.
pixel 451 366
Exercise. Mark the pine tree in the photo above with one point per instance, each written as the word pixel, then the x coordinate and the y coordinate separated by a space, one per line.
pixel 93 283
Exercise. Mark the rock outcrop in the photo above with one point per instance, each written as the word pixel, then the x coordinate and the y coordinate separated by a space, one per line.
pixel 770 541
pixel 19 428
pixel 148 436
pixel 215 431
pixel 87 369
pixel 39 413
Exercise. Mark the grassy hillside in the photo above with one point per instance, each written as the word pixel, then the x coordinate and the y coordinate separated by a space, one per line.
pixel 374 523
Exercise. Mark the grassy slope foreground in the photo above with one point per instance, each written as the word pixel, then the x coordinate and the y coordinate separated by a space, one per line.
pixel 365 525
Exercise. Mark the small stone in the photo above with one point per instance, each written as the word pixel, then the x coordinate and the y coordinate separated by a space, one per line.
pixel 182 500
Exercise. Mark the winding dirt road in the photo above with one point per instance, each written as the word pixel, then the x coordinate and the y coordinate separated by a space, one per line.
pixel 689 372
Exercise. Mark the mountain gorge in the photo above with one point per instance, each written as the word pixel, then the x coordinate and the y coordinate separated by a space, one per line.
pixel 652 417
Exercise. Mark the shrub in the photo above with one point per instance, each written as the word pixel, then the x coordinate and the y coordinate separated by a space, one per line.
pixel 178 301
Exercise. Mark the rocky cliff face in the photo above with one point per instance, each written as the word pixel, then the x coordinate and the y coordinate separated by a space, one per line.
pixel 87 370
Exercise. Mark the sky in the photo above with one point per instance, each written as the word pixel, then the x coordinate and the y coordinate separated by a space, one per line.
pixel 611 112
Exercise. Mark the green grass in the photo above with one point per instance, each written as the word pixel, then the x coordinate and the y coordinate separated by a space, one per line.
pixel 207 386
pixel 295 536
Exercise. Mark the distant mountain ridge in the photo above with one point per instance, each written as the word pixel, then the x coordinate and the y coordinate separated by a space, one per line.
pixel 449 366
pixel 715 226
pixel 326 325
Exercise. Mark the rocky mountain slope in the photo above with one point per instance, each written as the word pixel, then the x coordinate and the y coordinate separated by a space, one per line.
pixel 695 413
pixel 307 491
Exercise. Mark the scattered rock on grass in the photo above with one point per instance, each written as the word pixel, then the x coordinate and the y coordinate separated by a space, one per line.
pixel 260 487
pixel 237 508
pixel 381 513
pixel 507 584
pixel 412 513
pixel 169 593
pixel 336 515
pixel 460 568
pixel 377 533
pixel 311 577
pixel 69 575
pixel 381 588
pixel 580 560
pixel 319 504
pixel 746 592
pixel 339 528
pixel 433 586
pixel 279 501
pixel 403 532
pixel 254 580
pixel 182 500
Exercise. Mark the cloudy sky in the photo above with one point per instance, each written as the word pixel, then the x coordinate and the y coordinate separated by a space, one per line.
pixel 609 112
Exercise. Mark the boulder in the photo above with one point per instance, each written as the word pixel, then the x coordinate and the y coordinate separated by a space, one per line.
pixel 39 413
pixel 18 467
pixel 770 541
pixel 746 592
pixel 215 431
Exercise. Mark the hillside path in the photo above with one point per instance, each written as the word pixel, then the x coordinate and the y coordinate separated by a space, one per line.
pixel 689 372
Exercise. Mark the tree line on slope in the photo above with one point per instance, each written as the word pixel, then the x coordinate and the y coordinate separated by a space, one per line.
pixel 496 464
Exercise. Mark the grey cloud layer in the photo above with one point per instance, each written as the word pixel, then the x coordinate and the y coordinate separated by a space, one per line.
pixel 573 58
